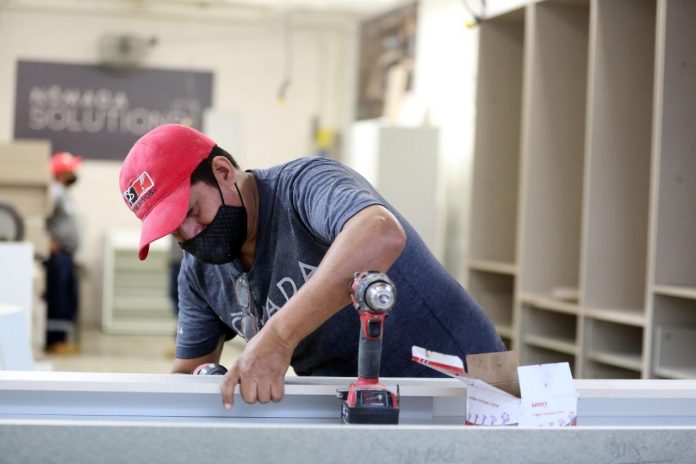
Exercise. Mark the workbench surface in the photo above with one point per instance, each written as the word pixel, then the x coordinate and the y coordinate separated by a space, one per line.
pixel 68 417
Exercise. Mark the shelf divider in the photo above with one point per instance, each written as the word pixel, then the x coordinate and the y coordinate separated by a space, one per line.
pixel 678 291
pixel 495 267
pixel 550 343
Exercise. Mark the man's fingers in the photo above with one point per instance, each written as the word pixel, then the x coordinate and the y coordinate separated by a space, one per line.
pixel 229 382
pixel 263 393
pixel 277 391
pixel 248 391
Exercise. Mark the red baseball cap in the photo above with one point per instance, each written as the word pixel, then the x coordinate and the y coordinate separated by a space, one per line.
pixel 155 179
pixel 64 162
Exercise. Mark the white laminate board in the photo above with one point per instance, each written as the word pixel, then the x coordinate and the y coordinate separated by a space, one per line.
pixel 618 153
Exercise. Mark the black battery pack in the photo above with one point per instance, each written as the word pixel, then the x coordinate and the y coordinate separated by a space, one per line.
pixel 371 407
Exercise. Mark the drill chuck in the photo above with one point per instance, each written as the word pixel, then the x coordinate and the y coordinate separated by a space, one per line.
pixel 373 292
pixel 380 297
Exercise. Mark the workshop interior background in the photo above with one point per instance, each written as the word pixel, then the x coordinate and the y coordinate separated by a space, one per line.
pixel 546 154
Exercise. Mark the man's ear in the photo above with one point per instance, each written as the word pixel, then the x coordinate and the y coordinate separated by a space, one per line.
pixel 224 171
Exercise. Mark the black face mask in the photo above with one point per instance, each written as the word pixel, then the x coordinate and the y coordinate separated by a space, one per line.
pixel 70 181
pixel 221 240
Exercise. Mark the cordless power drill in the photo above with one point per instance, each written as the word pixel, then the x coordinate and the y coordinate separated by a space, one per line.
pixel 367 401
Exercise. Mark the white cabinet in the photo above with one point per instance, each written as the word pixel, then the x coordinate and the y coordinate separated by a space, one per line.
pixel 136 293
pixel 402 163
pixel 582 241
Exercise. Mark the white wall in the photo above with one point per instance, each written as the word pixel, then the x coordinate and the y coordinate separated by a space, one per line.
pixel 445 81
pixel 443 96
pixel 246 56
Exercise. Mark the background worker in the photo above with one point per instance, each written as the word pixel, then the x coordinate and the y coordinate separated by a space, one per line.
pixel 61 296
pixel 269 256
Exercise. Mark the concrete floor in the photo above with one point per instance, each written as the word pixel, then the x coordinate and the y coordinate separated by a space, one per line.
pixel 101 352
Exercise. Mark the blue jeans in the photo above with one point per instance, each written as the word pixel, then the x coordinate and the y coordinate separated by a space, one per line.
pixel 61 296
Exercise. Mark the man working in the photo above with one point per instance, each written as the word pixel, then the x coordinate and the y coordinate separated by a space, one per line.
pixel 270 254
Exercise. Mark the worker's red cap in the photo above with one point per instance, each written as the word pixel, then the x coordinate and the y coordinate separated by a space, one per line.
pixel 64 162
pixel 155 178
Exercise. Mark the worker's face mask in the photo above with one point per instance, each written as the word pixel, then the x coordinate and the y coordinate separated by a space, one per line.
pixel 70 180
pixel 221 240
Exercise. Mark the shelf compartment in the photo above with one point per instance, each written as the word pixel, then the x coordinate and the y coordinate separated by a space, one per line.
pixel 507 341
pixel 126 261
pixel 674 351
pixel 674 342
pixel 154 314
pixel 618 151
pixel 496 267
pixel 548 302
pixel 617 345
pixel 536 355
pixel 497 139
pixel 552 145
pixel 494 293
pixel 549 329
pixel 673 311
pixel 675 139
pixel 505 331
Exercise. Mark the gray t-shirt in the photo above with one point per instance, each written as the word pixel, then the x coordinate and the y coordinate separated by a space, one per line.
pixel 62 223
pixel 303 205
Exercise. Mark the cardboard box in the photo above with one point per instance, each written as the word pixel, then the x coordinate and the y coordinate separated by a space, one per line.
pixel 25 163
pixel 501 393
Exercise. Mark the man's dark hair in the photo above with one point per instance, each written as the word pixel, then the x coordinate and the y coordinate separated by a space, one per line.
pixel 204 172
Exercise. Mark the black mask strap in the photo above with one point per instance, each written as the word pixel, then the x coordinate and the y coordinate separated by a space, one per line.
pixel 240 195
pixel 217 184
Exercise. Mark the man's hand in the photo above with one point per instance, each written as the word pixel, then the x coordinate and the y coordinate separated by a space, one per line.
pixel 260 370
pixel 372 239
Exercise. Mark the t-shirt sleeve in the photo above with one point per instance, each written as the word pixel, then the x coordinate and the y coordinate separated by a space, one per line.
pixel 326 194
pixel 199 328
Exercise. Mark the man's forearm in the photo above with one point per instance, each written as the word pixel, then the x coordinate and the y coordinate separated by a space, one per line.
pixel 187 366
pixel 372 240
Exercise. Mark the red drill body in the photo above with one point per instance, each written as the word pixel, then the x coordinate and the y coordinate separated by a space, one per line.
pixel 367 400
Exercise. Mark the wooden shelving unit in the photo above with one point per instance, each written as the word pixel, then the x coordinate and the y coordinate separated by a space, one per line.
pixel 582 242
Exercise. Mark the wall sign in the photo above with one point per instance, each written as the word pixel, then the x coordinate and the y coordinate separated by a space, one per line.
pixel 99 114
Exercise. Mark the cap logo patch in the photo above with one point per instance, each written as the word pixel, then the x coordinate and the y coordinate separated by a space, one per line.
pixel 138 188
